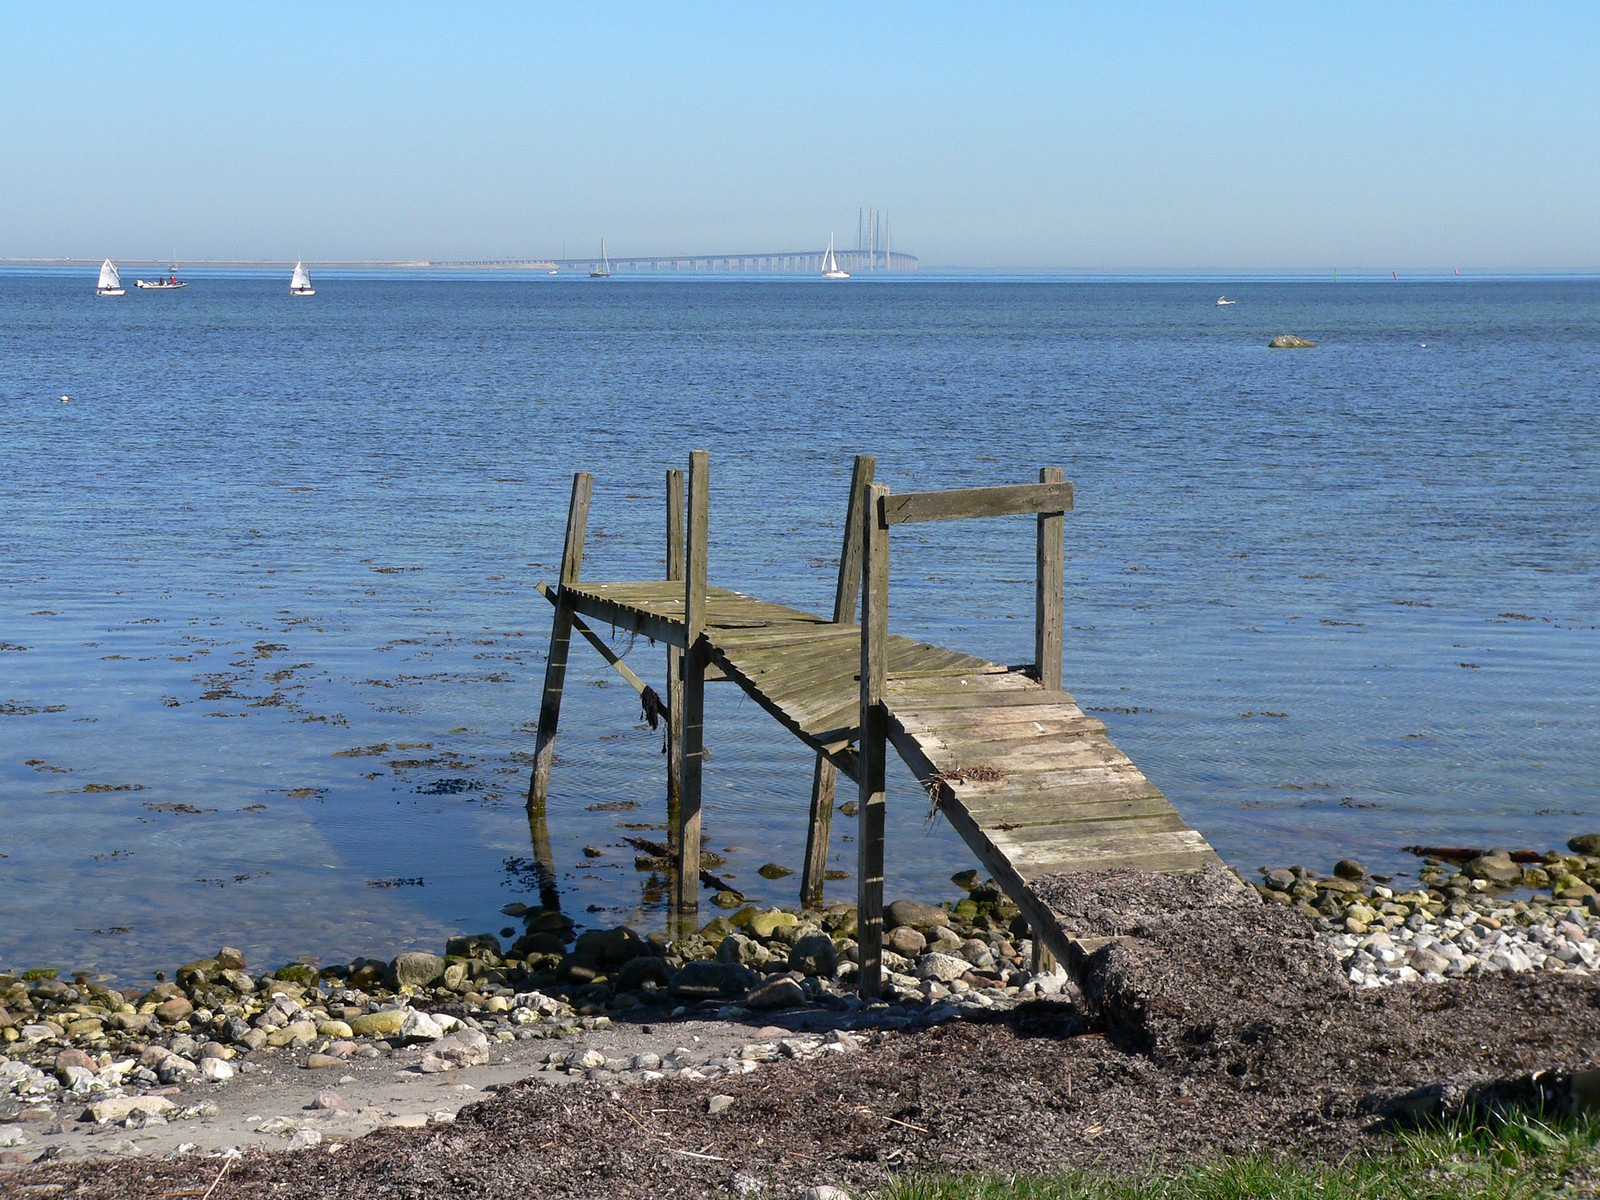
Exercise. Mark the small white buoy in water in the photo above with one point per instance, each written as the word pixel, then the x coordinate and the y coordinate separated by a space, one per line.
pixel 1424 345
pixel 64 399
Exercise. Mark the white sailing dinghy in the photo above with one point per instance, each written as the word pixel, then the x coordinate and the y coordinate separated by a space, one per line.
pixel 830 264
pixel 110 282
pixel 603 271
pixel 300 281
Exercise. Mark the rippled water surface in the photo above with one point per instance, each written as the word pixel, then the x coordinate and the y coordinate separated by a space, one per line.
pixel 270 647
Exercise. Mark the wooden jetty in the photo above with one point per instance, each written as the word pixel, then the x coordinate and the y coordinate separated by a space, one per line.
pixel 1030 782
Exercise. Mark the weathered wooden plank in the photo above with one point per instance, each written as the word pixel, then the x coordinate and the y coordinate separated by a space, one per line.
pixel 1141 833
pixel 1091 785
pixel 918 693
pixel 990 691
pixel 1000 809
pixel 1107 849
pixel 1053 754
pixel 873 748
pixel 973 744
pixel 606 611
pixel 1013 721
pixel 555 663
pixel 960 504
pixel 1049 582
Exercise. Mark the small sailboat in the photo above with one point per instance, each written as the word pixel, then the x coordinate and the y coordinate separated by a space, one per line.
pixel 300 281
pixel 603 271
pixel 110 282
pixel 830 264
pixel 1221 300
pixel 170 284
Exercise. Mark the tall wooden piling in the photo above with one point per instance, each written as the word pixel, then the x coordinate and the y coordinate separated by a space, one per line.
pixel 686 883
pixel 1049 588
pixel 555 666
pixel 675 551
pixel 824 777
pixel 872 761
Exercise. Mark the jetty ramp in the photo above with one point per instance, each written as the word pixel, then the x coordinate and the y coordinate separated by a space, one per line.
pixel 1031 782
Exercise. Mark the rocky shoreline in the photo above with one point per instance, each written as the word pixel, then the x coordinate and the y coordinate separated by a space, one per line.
pixel 79 1052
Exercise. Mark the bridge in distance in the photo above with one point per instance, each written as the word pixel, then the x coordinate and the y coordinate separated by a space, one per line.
pixel 792 262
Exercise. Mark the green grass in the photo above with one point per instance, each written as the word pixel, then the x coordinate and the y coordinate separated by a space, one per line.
pixel 1527 1158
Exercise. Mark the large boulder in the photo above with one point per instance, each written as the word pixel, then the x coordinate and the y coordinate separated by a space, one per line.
pixel 814 954
pixel 633 976
pixel 1495 868
pixel 386 1022
pixel 778 992
pixel 415 969
pixel 702 980
pixel 610 947
pixel 764 925
pixel 942 967
pixel 1585 843
pixel 736 948
pixel 921 917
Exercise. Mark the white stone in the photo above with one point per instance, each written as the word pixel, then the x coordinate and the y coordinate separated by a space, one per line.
pixel 420 1027
pixel 118 1108
pixel 216 1070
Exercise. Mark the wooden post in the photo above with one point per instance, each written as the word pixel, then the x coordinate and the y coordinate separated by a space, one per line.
pixel 874 741
pixel 1041 961
pixel 686 885
pixel 824 778
pixel 1049 585
pixel 555 666
pixel 674 665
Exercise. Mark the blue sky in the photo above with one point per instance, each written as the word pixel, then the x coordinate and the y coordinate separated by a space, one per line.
pixel 1082 137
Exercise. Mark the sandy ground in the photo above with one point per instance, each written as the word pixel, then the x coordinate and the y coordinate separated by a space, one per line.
pixel 263 1109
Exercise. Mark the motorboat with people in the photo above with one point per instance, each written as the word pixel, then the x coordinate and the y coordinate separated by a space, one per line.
pixel 170 284
pixel 110 281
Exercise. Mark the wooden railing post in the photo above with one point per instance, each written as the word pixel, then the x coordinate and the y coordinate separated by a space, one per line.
pixel 686 883
pixel 1049 585
pixel 824 778
pixel 555 665
pixel 874 740
pixel 674 665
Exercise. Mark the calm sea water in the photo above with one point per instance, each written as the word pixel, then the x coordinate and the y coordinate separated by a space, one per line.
pixel 272 649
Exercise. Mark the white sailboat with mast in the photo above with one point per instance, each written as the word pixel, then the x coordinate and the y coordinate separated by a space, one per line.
pixel 830 264
pixel 110 282
pixel 603 271
pixel 300 281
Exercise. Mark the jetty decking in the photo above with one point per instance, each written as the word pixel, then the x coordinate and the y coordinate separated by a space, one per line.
pixel 1029 781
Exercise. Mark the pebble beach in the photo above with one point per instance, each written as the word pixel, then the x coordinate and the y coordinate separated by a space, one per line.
pixel 81 1056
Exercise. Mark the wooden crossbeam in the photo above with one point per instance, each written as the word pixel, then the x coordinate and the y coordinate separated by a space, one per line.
pixel 959 504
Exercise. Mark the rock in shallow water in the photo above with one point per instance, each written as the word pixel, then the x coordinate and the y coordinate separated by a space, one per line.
pixel 1288 341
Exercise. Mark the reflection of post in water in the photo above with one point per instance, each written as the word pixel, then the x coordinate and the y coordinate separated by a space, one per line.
pixel 544 859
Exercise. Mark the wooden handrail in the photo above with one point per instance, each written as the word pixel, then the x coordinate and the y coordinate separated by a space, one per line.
pixel 961 504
